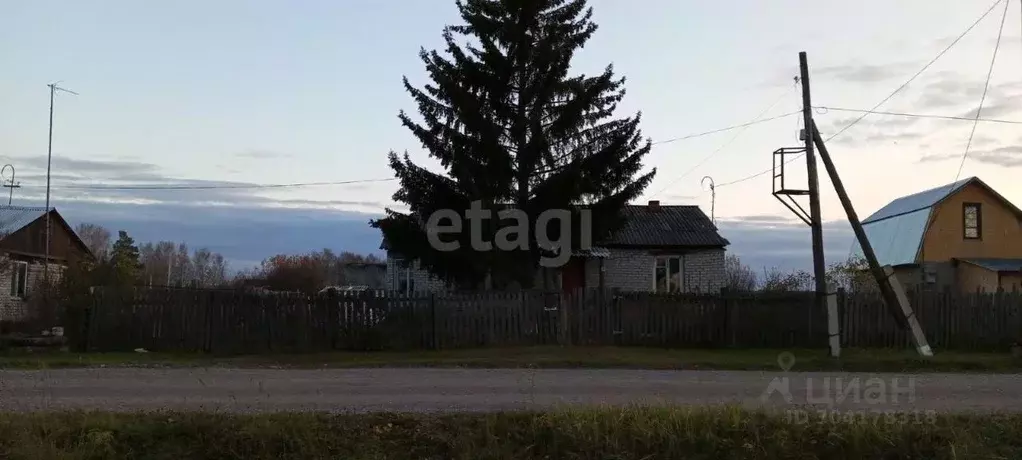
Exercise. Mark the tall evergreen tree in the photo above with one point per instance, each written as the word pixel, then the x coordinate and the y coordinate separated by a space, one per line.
pixel 124 259
pixel 511 127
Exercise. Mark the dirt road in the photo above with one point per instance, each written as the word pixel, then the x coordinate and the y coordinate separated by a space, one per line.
pixel 246 390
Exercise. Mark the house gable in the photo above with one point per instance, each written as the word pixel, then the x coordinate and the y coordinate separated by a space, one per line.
pixel 30 240
pixel 900 230
pixel 1000 227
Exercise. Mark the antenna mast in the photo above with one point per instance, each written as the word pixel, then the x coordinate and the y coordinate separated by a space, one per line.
pixel 713 199
pixel 10 183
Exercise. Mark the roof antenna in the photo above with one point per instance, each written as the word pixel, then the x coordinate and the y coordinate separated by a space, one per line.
pixel 713 199
pixel 9 183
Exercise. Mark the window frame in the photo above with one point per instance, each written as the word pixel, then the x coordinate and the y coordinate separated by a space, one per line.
pixel 19 279
pixel 666 259
pixel 403 273
pixel 979 221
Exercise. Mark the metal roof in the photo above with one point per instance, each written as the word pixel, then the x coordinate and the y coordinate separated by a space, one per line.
pixel 997 265
pixel 896 240
pixel 896 230
pixel 916 201
pixel 14 218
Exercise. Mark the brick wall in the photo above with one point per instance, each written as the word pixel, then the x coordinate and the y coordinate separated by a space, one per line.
pixel 625 269
pixel 632 270
pixel 628 270
pixel 422 280
pixel 15 308
pixel 704 271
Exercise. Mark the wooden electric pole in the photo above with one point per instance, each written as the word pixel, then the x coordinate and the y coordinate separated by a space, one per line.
pixel 816 221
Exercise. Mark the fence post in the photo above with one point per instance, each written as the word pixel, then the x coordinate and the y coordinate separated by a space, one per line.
pixel 731 309
pixel 833 324
pixel 434 340
pixel 86 326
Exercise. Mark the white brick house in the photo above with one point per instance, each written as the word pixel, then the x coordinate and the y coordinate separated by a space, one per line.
pixel 659 249
pixel 23 255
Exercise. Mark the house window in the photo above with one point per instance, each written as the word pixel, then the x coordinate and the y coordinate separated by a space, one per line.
pixel 19 279
pixel 930 275
pixel 667 274
pixel 972 221
pixel 403 281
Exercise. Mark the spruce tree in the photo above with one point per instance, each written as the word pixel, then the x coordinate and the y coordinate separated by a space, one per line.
pixel 124 259
pixel 512 127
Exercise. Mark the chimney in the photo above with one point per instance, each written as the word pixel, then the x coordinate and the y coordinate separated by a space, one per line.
pixel 654 205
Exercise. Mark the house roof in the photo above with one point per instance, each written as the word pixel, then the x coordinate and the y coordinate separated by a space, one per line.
pixel 14 218
pixel 896 230
pixel 662 225
pixel 997 265
pixel 666 226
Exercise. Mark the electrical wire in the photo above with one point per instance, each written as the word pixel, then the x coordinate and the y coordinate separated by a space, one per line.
pixel 756 119
pixel 729 128
pixel 348 182
pixel 982 99
pixel 882 102
pixel 917 115
pixel 212 187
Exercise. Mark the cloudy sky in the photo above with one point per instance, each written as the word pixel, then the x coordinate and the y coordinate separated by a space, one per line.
pixel 234 92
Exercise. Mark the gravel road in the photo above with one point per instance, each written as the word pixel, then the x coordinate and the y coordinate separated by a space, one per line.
pixel 258 390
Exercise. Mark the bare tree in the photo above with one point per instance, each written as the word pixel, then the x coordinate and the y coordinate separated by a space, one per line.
pixel 95 237
pixel 156 261
pixel 181 267
pixel 217 274
pixel 775 280
pixel 737 276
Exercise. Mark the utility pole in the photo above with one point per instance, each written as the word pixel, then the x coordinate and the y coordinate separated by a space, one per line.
pixel 895 299
pixel 816 221
pixel 49 161
pixel 10 183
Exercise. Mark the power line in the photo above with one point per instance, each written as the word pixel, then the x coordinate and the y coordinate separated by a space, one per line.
pixel 882 102
pixel 214 187
pixel 729 128
pixel 917 115
pixel 756 119
pixel 982 99
pixel 349 182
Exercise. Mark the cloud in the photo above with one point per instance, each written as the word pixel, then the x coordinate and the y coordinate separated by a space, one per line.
pixel 763 241
pixel 872 128
pixel 74 174
pixel 997 109
pixel 243 235
pixel 862 73
pixel 261 154
pixel 891 136
pixel 951 90
pixel 1009 156
pixel 675 199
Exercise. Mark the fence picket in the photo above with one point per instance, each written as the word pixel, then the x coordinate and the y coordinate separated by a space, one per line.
pixel 234 322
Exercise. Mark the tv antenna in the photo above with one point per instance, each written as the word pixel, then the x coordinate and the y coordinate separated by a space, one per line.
pixel 9 183
pixel 713 199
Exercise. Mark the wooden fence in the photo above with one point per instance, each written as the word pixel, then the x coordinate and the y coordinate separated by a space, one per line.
pixel 235 322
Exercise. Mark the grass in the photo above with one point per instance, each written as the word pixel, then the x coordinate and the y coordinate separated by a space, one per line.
pixel 623 433
pixel 547 357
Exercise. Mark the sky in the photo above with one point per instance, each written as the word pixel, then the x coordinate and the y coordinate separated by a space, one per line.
pixel 234 92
